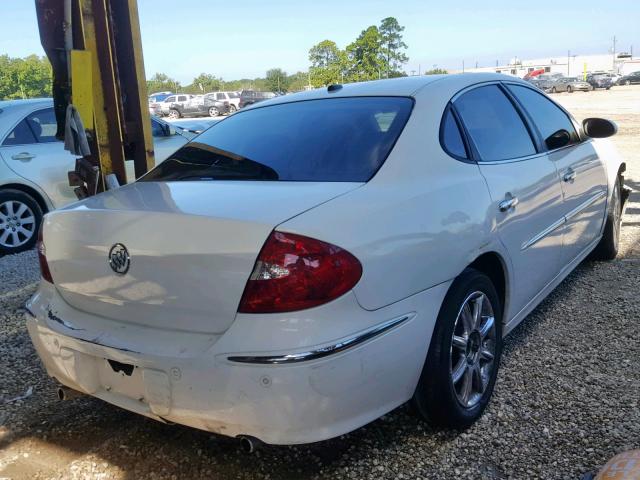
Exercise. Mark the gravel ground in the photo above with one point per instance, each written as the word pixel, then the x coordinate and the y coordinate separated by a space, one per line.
pixel 566 399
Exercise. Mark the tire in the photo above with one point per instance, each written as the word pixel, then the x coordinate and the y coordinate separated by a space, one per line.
pixel 607 248
pixel 173 113
pixel 20 219
pixel 213 111
pixel 628 82
pixel 569 89
pixel 232 108
pixel 439 397
pixel 553 90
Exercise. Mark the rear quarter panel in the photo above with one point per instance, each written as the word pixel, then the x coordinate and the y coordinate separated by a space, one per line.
pixel 419 222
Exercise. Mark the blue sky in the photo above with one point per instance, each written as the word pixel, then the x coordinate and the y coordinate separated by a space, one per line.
pixel 244 39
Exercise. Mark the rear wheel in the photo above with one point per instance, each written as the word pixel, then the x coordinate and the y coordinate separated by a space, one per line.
pixel 20 218
pixel 569 89
pixel 609 244
pixel 553 90
pixel 213 112
pixel 173 113
pixel 232 108
pixel 462 364
pixel 628 82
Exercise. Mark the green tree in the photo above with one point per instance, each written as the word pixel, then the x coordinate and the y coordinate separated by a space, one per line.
pixel 436 71
pixel 162 83
pixel 365 61
pixel 392 46
pixel 298 81
pixel 328 63
pixel 204 83
pixel 276 80
pixel 27 77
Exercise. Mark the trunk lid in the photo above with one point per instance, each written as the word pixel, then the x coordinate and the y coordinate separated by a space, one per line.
pixel 192 247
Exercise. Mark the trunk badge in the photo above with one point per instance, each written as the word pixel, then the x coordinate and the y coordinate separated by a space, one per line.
pixel 119 259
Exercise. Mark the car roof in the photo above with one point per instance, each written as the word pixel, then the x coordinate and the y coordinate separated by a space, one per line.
pixel 399 87
pixel 27 103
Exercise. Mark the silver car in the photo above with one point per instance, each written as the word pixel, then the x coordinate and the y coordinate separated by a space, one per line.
pixel 34 166
pixel 569 85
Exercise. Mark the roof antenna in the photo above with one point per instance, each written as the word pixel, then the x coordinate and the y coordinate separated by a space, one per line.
pixel 334 87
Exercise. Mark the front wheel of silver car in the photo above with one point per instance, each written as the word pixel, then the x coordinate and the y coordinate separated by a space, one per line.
pixel 462 363
pixel 213 112
pixel 232 108
pixel 20 218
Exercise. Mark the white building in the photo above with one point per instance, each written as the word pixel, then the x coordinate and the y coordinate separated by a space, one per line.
pixel 570 66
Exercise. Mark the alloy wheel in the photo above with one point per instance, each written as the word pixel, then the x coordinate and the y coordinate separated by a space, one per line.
pixel 213 112
pixel 17 224
pixel 473 349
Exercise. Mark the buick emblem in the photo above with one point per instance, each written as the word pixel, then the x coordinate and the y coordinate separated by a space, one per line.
pixel 119 259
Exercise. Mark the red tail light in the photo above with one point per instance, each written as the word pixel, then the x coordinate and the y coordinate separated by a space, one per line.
pixel 295 272
pixel 42 257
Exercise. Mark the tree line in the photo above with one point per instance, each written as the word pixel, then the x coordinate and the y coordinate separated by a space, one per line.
pixel 28 77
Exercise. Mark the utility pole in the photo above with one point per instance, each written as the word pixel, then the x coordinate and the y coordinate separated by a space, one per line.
pixel 419 69
pixel 614 52
pixel 568 60
pixel 462 66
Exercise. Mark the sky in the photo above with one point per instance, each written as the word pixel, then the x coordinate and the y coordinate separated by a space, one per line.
pixel 244 39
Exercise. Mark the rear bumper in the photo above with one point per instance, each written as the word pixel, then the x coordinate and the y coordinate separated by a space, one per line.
pixel 303 401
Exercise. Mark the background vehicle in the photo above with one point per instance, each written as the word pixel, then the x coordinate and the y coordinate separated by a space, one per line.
pixel 599 80
pixel 321 206
pixel 233 98
pixel 168 102
pixel 197 106
pixel 569 84
pixel 154 102
pixel 249 97
pixel 630 79
pixel 34 166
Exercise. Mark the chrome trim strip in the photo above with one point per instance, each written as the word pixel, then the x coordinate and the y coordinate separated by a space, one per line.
pixel 563 220
pixel 323 351
pixel 544 233
pixel 585 204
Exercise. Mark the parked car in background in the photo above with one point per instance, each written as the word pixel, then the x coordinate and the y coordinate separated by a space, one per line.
pixel 629 79
pixel 249 97
pixel 331 273
pixel 176 99
pixel 154 102
pixel 34 166
pixel 233 98
pixel 569 85
pixel 198 106
pixel 543 83
pixel 599 80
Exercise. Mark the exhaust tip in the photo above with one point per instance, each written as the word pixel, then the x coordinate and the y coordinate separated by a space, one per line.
pixel 249 444
pixel 66 393
pixel 60 392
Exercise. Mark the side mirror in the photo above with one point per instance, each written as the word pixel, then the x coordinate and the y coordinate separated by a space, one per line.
pixel 599 127
pixel 558 139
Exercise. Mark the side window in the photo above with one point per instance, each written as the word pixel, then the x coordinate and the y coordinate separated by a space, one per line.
pixel 156 129
pixel 170 99
pixel 546 115
pixel 182 98
pixel 20 135
pixel 450 136
pixel 43 125
pixel 220 96
pixel 494 125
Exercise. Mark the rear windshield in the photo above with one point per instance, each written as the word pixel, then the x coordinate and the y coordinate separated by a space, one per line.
pixel 329 140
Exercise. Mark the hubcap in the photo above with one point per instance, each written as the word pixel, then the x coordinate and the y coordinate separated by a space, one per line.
pixel 17 224
pixel 473 348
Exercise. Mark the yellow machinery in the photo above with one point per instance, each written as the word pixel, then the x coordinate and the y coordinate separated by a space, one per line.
pixel 95 50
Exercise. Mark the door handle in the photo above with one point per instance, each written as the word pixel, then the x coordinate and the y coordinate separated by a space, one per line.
pixel 23 156
pixel 508 203
pixel 570 176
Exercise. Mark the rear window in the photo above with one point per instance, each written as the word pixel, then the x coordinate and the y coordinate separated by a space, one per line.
pixel 330 140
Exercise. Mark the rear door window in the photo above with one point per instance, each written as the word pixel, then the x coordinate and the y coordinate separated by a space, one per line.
pixel 494 125
pixel 43 125
pixel 329 140
pixel 20 135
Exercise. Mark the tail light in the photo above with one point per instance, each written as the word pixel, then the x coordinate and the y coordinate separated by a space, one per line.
pixel 42 257
pixel 295 272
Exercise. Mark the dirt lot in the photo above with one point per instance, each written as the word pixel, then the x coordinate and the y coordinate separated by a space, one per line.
pixel 566 399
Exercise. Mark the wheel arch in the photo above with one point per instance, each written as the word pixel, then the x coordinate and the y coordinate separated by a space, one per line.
pixel 494 266
pixel 32 192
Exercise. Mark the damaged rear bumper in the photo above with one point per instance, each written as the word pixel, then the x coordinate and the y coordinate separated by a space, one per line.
pixel 279 402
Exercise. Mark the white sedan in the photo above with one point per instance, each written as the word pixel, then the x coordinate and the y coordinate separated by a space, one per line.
pixel 313 262
pixel 34 166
